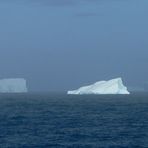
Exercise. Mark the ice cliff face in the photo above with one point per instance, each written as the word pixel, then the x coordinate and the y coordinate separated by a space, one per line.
pixel 114 86
pixel 13 85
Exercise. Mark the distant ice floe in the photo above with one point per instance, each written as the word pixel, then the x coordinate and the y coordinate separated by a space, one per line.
pixel 114 86
pixel 17 85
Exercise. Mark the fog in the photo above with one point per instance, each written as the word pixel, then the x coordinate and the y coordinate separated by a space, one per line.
pixel 60 45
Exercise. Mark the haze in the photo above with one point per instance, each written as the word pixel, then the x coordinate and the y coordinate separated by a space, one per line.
pixel 63 44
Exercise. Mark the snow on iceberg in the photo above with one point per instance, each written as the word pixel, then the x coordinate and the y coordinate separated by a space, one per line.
pixel 114 86
pixel 17 85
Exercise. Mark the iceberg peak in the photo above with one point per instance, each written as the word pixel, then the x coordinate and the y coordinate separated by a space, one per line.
pixel 113 86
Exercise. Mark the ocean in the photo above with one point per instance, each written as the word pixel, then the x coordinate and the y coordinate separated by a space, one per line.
pixel 57 120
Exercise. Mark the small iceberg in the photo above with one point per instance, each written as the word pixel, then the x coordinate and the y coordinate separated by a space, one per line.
pixel 17 85
pixel 114 86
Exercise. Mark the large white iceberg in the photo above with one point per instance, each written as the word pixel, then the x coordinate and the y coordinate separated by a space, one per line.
pixel 114 86
pixel 17 85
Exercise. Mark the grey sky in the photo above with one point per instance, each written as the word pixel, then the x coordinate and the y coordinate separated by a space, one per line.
pixel 63 44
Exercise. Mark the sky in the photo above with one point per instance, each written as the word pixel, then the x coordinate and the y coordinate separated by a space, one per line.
pixel 57 45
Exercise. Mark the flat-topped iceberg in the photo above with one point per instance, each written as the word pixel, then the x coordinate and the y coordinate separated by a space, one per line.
pixel 17 85
pixel 114 86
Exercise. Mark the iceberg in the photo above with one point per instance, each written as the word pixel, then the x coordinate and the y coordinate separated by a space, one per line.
pixel 17 85
pixel 114 86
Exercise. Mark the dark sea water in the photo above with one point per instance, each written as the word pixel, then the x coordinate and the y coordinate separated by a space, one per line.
pixel 57 120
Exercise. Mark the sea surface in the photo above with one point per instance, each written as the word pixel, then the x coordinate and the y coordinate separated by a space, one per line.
pixel 57 120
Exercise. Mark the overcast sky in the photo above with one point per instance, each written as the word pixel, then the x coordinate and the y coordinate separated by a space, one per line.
pixel 64 44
